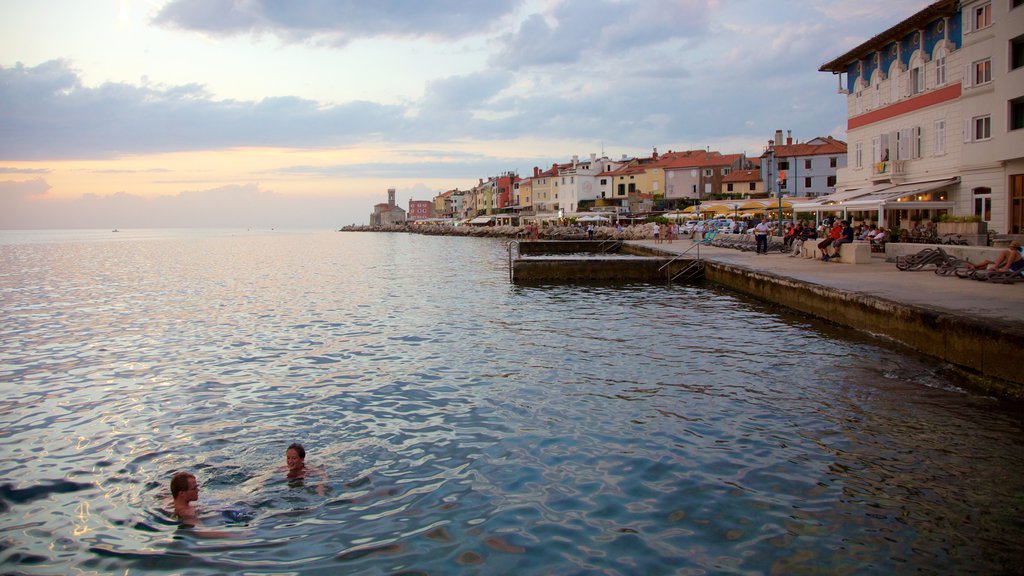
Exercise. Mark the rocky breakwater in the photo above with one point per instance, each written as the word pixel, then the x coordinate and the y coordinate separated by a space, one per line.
pixel 635 232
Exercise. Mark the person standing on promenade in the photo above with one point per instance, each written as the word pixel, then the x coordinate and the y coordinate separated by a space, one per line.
pixel 761 237
pixel 590 232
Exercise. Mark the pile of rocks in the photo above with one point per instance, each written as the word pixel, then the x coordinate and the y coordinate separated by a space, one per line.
pixel 635 232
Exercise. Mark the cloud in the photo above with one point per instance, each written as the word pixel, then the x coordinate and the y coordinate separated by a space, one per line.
pixel 50 114
pixel 7 170
pixel 336 21
pixel 594 31
pixel 23 205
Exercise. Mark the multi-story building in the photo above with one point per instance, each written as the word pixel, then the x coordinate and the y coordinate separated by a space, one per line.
pixel 502 187
pixel 580 183
pixel 934 116
pixel 523 192
pixel 545 189
pixel 483 198
pixel 696 174
pixel 805 169
pixel 992 100
pixel 420 210
pixel 742 183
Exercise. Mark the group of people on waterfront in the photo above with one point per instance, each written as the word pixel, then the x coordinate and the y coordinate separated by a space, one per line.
pixel 185 487
pixel 832 234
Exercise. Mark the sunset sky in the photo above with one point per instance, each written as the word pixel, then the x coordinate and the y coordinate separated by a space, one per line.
pixel 265 113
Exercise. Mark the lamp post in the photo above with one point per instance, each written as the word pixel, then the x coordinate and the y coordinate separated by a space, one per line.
pixel 779 181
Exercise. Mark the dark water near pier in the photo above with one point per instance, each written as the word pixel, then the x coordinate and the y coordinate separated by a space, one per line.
pixel 467 425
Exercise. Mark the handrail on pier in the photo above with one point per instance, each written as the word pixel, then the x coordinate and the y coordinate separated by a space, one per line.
pixel 509 248
pixel 680 255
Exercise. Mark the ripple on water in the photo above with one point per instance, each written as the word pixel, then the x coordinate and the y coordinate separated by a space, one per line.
pixel 468 425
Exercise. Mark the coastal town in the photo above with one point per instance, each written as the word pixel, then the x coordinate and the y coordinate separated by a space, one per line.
pixel 934 131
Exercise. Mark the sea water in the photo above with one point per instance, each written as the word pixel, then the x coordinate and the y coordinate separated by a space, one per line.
pixel 467 425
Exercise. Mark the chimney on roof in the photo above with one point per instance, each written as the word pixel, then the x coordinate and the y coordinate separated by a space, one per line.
pixel 789 137
pixel 778 137
pixel 593 157
pixel 654 154
pixel 575 160
pixel 536 172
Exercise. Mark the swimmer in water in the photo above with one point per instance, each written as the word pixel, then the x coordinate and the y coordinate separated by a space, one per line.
pixel 295 457
pixel 185 491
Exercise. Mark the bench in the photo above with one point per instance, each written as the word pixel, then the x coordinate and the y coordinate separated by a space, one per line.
pixel 855 253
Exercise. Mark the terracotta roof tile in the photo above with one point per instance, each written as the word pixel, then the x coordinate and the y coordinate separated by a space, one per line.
pixel 828 145
pixel 743 176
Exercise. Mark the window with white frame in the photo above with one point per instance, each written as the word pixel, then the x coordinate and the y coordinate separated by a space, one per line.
pixel 833 161
pixel 982 16
pixel 939 142
pixel 858 155
pixel 982 71
pixel 982 127
pixel 940 70
pixel 916 80
pixel 876 149
pixel 894 81
pixel 916 142
pixel 983 203
pixel 807 163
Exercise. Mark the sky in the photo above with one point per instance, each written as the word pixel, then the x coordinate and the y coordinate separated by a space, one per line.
pixel 302 113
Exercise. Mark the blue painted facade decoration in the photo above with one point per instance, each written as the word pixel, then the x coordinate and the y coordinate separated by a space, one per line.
pixel 956 31
pixel 889 55
pixel 870 65
pixel 933 34
pixel 910 44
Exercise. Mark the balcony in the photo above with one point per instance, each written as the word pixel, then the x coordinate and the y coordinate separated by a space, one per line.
pixel 889 171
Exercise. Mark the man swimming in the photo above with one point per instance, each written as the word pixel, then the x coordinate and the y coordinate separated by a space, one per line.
pixel 185 491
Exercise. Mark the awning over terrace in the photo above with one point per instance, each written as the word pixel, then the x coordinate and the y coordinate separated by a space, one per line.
pixel 881 197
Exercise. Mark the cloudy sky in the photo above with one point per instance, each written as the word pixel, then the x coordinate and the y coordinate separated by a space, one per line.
pixel 266 113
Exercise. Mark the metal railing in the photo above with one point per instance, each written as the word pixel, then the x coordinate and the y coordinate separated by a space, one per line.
pixel 509 248
pixel 698 263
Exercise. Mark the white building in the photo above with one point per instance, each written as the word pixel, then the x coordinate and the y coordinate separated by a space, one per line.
pixel 931 116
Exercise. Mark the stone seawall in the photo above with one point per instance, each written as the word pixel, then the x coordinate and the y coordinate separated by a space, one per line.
pixel 989 347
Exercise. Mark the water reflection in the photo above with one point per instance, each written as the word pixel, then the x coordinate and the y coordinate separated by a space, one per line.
pixel 466 424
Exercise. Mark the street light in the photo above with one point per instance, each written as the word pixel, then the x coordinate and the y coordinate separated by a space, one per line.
pixel 780 181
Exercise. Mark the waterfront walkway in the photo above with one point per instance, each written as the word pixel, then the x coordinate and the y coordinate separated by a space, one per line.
pixel 880 279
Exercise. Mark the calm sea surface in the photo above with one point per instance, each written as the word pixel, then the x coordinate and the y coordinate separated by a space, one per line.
pixel 467 425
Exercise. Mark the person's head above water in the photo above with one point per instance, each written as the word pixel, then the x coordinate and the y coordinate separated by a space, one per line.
pixel 296 456
pixel 184 482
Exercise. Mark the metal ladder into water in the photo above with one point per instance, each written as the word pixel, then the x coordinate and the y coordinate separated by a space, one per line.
pixel 693 270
